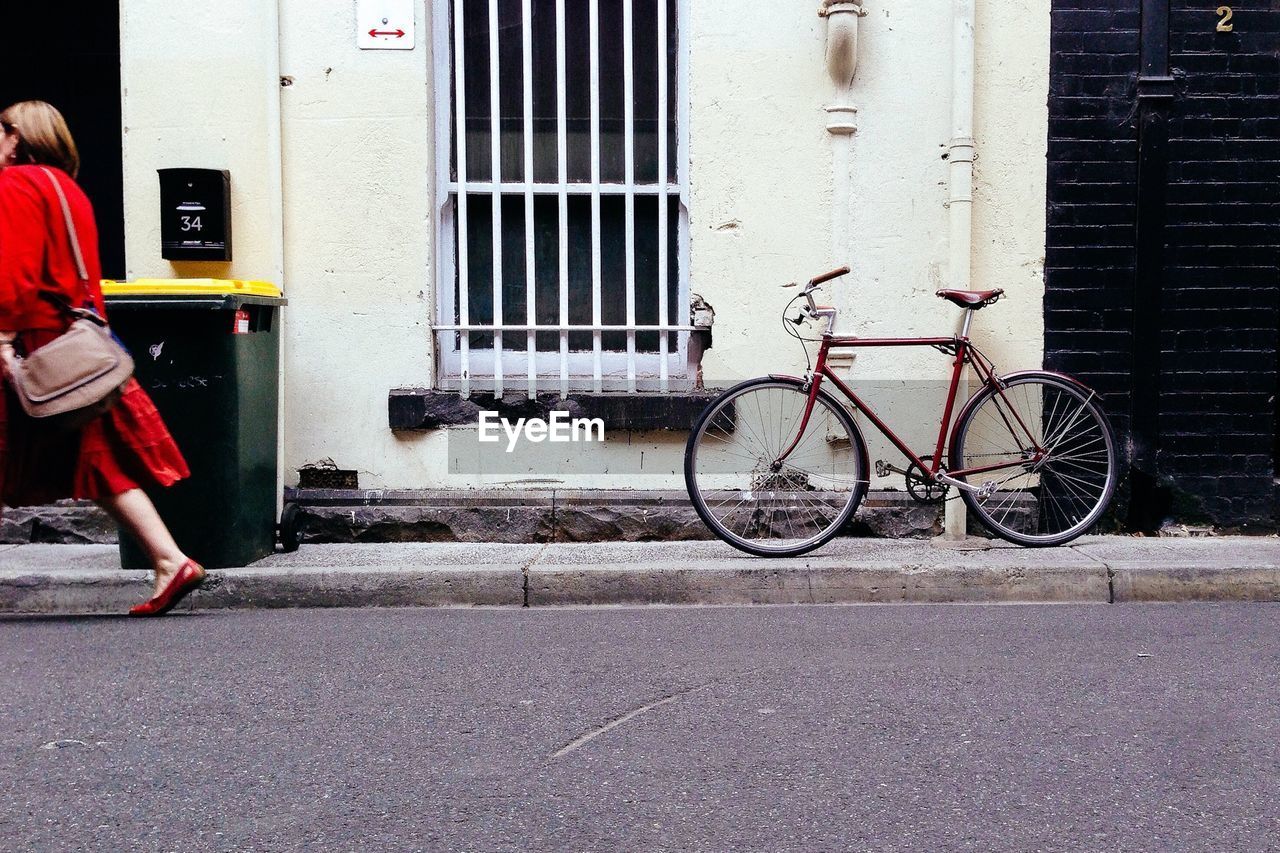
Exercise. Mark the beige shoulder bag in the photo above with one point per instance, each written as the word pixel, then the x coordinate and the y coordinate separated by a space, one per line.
pixel 79 375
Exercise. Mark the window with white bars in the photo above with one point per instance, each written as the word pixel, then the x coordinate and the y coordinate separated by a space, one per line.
pixel 564 233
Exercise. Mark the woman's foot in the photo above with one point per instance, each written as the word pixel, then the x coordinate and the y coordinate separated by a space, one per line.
pixel 166 570
pixel 176 586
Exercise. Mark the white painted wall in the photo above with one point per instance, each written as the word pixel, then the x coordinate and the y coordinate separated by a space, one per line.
pixel 197 85
pixel 1012 119
pixel 358 169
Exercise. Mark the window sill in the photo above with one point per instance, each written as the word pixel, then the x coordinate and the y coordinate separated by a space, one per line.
pixel 426 409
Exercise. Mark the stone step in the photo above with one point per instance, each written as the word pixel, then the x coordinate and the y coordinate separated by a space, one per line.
pixel 490 515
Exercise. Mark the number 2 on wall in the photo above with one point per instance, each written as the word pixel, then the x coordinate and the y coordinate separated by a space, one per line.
pixel 1225 25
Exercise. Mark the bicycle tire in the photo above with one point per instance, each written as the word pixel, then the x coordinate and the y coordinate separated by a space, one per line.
pixel 775 507
pixel 1059 498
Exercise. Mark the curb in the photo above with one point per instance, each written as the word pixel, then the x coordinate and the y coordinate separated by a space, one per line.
pixel 87 579
pixel 71 592
pixel 553 586
pixel 1143 584
pixel 105 592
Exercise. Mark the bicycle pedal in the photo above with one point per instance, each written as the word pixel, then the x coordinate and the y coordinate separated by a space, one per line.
pixel 986 490
pixel 884 469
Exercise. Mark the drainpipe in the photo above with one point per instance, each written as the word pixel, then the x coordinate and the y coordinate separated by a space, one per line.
pixel 842 62
pixel 275 190
pixel 960 205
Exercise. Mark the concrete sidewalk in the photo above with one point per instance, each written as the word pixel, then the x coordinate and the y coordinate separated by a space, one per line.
pixel 87 578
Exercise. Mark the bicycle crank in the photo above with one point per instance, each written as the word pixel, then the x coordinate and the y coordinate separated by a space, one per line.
pixel 921 486
pixel 984 491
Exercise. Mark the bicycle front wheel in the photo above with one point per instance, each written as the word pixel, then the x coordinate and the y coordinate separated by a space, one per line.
pixel 1049 456
pixel 757 501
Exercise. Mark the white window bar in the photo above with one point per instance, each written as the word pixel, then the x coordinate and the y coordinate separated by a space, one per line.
pixel 530 286
pixel 555 327
pixel 682 157
pixel 541 187
pixel 495 158
pixel 460 113
pixel 663 207
pixel 629 175
pixel 562 166
pixel 596 339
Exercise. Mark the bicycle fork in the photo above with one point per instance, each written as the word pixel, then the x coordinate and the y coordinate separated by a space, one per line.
pixel 812 385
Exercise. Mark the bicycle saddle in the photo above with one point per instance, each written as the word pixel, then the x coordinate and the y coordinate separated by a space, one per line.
pixel 974 299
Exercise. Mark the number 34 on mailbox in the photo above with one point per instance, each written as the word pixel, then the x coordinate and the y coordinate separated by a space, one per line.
pixel 195 214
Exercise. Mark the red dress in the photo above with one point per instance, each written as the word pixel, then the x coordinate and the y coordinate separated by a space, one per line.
pixel 128 447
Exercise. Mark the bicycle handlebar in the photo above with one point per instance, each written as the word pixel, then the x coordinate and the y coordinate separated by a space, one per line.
pixel 811 308
pixel 827 276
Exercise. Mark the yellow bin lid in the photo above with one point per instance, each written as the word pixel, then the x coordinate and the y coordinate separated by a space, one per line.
pixel 189 287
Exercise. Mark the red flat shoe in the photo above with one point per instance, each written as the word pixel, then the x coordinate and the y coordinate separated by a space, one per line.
pixel 190 576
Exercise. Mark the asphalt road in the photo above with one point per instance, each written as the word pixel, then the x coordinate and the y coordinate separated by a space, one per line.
pixel 809 728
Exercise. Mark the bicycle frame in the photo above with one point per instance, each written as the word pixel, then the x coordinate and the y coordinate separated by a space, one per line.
pixel 964 352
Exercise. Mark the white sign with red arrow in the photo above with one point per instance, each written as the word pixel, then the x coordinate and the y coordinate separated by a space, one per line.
pixel 384 24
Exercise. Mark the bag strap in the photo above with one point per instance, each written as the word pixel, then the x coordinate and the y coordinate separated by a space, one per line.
pixel 71 232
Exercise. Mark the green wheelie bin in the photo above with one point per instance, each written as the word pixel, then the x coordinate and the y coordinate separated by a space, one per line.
pixel 208 353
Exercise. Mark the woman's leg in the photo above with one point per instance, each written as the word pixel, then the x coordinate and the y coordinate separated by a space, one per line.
pixel 135 513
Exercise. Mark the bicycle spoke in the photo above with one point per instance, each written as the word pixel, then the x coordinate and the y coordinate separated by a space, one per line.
pixel 1085 486
pixel 1056 497
pixel 756 500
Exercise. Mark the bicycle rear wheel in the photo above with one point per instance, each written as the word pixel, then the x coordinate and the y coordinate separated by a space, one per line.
pixel 1042 501
pixel 753 502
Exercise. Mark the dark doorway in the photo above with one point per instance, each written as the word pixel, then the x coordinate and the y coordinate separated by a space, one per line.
pixel 69 55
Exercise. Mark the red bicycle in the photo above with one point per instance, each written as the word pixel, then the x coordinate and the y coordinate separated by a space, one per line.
pixel 776 466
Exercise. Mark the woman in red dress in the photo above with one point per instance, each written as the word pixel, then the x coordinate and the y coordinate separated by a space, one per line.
pixel 111 459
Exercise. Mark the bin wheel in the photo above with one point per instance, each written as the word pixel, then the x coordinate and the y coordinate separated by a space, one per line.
pixel 289 533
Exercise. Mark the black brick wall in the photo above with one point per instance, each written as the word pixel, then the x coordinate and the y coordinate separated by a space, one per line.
pixel 1219 308
pixel 1092 177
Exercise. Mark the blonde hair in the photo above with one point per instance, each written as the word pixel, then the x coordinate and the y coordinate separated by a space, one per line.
pixel 43 137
